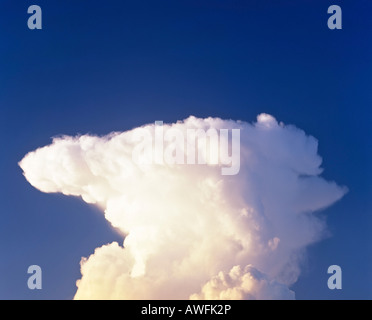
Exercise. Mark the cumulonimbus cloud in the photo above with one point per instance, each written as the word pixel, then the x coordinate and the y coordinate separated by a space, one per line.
pixel 190 232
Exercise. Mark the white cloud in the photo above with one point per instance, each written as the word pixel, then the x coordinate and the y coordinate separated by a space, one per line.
pixel 187 224
pixel 243 284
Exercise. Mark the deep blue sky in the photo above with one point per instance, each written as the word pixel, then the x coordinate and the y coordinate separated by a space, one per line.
pixel 103 66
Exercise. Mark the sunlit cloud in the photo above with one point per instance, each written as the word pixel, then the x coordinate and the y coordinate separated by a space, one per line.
pixel 190 231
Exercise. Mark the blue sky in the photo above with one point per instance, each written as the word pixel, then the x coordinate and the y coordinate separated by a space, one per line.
pixel 98 67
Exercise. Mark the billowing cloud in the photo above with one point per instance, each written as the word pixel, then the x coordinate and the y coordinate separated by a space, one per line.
pixel 190 231
pixel 243 284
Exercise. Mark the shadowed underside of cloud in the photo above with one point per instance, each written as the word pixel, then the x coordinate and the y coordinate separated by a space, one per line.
pixel 191 232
